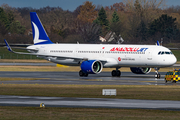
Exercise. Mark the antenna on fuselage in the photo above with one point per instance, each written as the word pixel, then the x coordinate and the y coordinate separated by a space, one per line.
pixel 157 43
pixel 161 41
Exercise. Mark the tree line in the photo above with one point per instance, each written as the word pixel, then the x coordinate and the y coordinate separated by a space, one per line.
pixel 137 21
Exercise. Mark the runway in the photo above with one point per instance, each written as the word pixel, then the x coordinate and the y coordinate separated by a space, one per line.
pixel 103 78
pixel 88 102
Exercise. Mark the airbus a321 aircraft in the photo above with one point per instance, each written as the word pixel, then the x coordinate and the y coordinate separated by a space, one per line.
pixel 92 58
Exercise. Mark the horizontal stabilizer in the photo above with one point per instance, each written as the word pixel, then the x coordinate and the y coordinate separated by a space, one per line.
pixel 34 50
pixel 10 49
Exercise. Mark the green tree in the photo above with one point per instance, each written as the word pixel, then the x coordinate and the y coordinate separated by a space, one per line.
pixel 9 22
pixel 10 17
pixel 102 21
pixel 165 25
pixel 16 27
pixel 115 17
pixel 3 17
pixel 142 31
pixel 102 18
pixel 116 25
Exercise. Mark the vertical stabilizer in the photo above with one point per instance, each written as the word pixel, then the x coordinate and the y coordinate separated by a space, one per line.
pixel 39 34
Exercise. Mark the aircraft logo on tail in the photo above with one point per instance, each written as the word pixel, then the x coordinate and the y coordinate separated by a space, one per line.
pixel 39 34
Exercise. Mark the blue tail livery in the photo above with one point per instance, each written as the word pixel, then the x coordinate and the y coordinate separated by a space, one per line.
pixel 39 34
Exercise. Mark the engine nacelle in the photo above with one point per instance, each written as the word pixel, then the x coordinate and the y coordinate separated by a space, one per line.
pixel 91 66
pixel 140 70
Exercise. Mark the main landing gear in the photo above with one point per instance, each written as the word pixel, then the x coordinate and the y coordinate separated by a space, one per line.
pixel 157 75
pixel 116 73
pixel 82 74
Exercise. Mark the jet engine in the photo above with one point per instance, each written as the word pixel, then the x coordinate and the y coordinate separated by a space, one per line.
pixel 91 66
pixel 140 70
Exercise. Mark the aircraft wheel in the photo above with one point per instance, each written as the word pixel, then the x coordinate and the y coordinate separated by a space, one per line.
pixel 113 73
pixel 174 81
pixel 85 74
pixel 81 74
pixel 118 73
pixel 157 76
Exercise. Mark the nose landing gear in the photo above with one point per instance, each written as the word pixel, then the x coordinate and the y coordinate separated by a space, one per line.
pixel 157 75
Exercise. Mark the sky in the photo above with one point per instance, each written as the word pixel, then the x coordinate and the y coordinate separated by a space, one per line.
pixel 70 5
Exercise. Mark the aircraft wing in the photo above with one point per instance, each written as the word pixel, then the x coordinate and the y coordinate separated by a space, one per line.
pixel 36 50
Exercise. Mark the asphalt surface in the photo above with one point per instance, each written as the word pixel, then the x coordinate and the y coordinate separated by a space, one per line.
pixel 103 78
pixel 7 100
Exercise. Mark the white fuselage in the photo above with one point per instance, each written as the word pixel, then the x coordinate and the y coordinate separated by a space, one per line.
pixel 112 55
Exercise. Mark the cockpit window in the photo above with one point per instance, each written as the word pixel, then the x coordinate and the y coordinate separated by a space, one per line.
pixel 164 52
pixel 167 52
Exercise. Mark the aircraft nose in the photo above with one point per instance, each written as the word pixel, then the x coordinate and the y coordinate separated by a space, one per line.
pixel 173 60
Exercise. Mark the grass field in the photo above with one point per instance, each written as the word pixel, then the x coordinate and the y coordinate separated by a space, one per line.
pixel 13 79
pixel 36 113
pixel 144 92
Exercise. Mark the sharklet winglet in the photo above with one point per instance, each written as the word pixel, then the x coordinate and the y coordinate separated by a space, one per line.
pixel 7 45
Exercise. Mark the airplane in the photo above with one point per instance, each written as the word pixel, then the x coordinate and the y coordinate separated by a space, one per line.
pixel 92 58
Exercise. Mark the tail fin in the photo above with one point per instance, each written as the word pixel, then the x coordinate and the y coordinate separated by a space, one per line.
pixel 39 34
